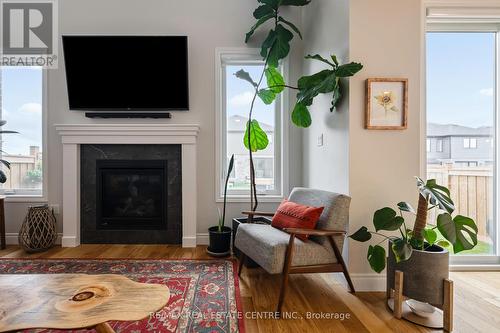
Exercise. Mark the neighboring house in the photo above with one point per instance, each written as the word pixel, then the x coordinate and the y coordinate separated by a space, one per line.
pixel 459 145
pixel 263 160
pixel 19 177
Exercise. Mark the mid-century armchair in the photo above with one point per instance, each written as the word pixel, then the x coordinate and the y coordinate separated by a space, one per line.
pixel 280 252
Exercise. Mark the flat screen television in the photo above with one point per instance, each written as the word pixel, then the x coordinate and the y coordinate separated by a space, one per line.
pixel 126 73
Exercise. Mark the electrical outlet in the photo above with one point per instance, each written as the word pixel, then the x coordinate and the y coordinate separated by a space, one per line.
pixel 320 140
pixel 55 208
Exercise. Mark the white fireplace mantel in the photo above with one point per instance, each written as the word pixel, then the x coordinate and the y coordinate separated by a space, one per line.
pixel 74 135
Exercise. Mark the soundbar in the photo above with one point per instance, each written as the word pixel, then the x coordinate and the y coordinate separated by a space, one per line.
pixel 155 115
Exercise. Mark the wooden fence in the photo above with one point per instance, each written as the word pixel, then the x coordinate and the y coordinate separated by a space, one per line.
pixel 471 190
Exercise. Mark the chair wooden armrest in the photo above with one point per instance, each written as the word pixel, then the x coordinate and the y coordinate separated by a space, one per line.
pixel 256 213
pixel 313 232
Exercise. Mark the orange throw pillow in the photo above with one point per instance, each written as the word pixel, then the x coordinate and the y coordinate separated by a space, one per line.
pixel 292 215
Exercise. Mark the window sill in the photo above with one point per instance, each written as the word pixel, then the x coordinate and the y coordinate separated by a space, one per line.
pixel 246 198
pixel 26 199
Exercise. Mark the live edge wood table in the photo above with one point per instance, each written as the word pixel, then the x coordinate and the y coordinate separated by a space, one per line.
pixel 71 301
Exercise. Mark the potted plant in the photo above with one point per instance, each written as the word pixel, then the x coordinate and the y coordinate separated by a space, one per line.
pixel 220 235
pixel 3 176
pixel 420 252
pixel 270 83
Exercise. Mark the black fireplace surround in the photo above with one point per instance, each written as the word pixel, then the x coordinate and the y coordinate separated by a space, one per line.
pixel 131 194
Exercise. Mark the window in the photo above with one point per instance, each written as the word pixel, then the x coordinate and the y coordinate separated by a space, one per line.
pixel 470 143
pixel 439 145
pixel 21 105
pixel 235 97
pixel 450 100
pixel 428 144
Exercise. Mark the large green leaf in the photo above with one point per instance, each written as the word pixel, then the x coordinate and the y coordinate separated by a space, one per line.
pixel 267 96
pixel 362 235
pixel 259 22
pixel 436 194
pixel 348 69
pixel 291 25
pixel 461 231
pixel 243 75
pixel 386 219
pixel 376 258
pixel 294 2
pixel 262 11
pixel 312 85
pixel 6 163
pixel 319 58
pixel 406 207
pixel 301 116
pixel 277 45
pixel 402 250
pixel 337 95
pixel 429 235
pixel 275 81
pixel 258 138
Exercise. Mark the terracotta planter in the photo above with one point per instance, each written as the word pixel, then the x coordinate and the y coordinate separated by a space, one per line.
pixel 424 273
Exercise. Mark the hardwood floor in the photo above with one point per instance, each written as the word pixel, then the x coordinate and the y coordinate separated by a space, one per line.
pixel 477 295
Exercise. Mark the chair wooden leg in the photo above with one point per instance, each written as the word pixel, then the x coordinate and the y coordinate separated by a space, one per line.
pixel 286 270
pixel 341 261
pixel 242 260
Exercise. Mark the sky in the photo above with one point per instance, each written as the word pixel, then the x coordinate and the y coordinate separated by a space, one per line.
pixel 239 95
pixel 22 108
pixel 461 78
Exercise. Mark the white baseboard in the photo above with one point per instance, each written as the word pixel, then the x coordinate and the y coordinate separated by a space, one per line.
pixel 369 281
pixel 11 238
pixel 189 241
pixel 202 238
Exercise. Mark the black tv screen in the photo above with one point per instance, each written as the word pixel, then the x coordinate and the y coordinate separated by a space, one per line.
pixel 117 73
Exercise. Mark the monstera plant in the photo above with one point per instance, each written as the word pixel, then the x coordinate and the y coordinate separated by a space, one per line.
pixel 3 176
pixel 274 48
pixel 459 231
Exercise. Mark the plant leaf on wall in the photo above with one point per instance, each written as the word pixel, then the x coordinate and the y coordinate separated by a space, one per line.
pixel 406 207
pixel 291 25
pixel 258 138
pixel 436 194
pixel 301 116
pixel 319 58
pixel 262 11
pixel 261 21
pixel 401 249
pixel 348 69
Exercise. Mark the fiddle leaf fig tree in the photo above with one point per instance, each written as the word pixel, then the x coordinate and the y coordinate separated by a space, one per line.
pixel 270 83
pixel 459 231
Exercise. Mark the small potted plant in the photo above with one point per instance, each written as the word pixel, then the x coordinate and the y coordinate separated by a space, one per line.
pixel 220 235
pixel 420 253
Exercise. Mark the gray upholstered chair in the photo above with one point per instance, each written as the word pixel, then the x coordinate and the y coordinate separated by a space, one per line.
pixel 280 252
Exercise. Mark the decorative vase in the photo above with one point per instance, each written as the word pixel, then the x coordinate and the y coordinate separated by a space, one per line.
pixel 423 275
pixel 38 231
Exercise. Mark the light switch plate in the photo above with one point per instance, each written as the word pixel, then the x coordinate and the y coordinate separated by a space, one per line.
pixel 320 140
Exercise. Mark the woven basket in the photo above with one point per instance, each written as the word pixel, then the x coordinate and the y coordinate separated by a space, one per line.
pixel 38 231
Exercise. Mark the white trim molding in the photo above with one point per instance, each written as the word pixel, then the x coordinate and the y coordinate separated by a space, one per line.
pixel 72 136
pixel 12 238
pixel 369 281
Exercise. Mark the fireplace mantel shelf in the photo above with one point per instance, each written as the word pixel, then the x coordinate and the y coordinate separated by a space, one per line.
pixel 74 135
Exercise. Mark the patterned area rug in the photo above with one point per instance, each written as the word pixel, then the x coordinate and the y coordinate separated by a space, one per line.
pixel 205 296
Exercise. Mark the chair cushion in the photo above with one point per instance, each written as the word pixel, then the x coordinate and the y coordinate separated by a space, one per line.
pixel 267 245
pixel 293 215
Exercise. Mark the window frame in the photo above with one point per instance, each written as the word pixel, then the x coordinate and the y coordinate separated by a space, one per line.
pixel 249 55
pixel 439 145
pixel 443 24
pixel 43 197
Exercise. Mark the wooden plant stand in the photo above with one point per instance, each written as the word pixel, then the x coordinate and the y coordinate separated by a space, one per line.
pixel 442 318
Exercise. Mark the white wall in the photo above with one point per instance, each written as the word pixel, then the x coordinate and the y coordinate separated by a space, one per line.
pixel 208 24
pixel 375 167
